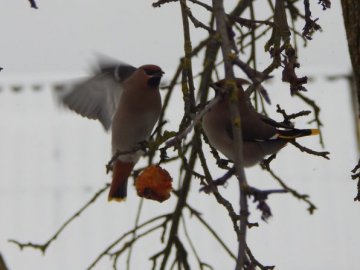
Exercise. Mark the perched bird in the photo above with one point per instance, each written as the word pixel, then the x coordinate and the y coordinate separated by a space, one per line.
pixel 127 100
pixel 261 135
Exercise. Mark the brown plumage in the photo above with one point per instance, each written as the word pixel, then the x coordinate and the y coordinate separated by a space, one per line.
pixel 138 111
pixel 127 100
pixel 261 135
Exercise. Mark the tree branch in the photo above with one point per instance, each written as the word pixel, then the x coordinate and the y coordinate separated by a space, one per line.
pixel 2 263
pixel 44 247
pixel 356 176
pixel 223 30
pixel 33 4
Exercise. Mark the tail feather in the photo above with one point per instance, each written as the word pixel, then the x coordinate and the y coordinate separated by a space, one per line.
pixel 296 133
pixel 118 188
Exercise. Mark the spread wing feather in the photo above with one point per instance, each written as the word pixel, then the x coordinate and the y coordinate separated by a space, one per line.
pixel 98 96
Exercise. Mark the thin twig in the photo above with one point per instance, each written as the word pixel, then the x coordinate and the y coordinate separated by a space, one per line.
pixel 356 176
pixel 316 110
pixel 222 30
pixel 202 265
pixel 33 4
pixel 116 254
pixel 211 230
pixel 219 198
pixel 161 2
pixel 207 7
pixel 260 196
pixel 196 22
pixel 289 117
pixel 181 254
pixel 177 139
pixel 128 259
pixel 310 25
pixel 221 181
pixel 302 197
pixel 44 247
pixel 178 209
pixel 302 148
pixel 122 237
pixel 255 262
pixel 2 263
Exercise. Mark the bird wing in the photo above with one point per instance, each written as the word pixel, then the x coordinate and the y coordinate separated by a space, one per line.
pixel 97 97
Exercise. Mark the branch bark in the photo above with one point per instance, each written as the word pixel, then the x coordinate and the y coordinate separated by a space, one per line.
pixel 33 4
pixel 222 30
pixel 2 263
pixel 351 14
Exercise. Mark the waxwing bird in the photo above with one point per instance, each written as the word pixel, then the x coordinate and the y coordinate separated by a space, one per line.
pixel 127 100
pixel 261 135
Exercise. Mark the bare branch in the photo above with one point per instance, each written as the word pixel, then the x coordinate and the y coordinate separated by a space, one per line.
pixel 232 38
pixel 211 230
pixel 44 247
pixel 137 219
pixel 356 176
pixel 220 181
pixel 302 148
pixel 222 29
pixel 33 4
pixel 107 251
pixel 2 263
pixel 177 139
pixel 161 2
pixel 310 25
pixel 293 192
pixel 202 265
pixel 260 196
pixel 289 117
pixel 316 110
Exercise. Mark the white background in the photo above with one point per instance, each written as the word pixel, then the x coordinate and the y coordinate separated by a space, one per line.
pixel 51 161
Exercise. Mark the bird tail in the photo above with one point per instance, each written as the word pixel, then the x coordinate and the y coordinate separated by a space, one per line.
pixel 296 133
pixel 121 173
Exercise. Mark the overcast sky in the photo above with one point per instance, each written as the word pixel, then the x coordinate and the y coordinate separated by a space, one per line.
pixel 61 37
